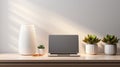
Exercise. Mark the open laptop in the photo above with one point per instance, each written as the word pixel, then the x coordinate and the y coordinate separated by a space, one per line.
pixel 63 45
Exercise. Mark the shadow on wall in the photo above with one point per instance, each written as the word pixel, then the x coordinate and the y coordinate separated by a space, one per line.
pixel 118 48
pixel 47 22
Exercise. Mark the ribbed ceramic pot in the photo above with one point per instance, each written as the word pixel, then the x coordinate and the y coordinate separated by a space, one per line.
pixel 41 51
pixel 110 49
pixel 91 49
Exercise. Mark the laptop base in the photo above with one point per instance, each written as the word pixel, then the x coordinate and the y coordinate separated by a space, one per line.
pixel 63 55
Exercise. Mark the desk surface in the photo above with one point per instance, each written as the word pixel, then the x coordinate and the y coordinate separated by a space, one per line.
pixel 45 58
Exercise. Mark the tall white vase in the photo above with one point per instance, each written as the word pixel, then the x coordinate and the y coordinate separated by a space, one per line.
pixel 27 40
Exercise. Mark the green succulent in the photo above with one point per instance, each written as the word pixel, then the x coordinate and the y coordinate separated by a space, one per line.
pixel 41 47
pixel 110 39
pixel 91 39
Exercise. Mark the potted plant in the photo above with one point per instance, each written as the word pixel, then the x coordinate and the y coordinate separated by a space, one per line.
pixel 110 47
pixel 91 46
pixel 41 49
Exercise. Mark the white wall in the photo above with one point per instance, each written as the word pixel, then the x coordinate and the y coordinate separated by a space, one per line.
pixel 80 17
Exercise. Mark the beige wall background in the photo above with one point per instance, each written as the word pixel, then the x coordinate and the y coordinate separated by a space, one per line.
pixel 82 17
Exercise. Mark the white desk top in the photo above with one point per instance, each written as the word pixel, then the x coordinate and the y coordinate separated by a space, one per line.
pixel 45 58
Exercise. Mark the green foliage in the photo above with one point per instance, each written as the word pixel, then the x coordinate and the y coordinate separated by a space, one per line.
pixel 110 39
pixel 41 47
pixel 91 39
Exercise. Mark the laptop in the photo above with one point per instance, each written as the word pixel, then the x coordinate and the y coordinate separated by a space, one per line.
pixel 63 45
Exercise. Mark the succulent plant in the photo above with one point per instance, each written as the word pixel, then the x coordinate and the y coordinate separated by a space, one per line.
pixel 110 39
pixel 41 47
pixel 91 39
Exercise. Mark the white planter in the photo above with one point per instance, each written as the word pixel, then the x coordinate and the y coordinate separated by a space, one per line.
pixel 41 51
pixel 91 49
pixel 27 40
pixel 110 49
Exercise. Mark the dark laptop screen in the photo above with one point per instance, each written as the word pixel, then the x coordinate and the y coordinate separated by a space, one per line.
pixel 63 44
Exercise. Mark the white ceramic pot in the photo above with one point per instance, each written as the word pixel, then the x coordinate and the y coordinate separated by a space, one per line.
pixel 91 49
pixel 27 40
pixel 110 49
pixel 41 51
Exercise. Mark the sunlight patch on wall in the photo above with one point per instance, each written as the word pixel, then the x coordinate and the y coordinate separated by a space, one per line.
pixel 25 12
pixel 51 20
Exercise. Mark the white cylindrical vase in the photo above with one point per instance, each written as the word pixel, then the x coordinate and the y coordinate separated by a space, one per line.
pixel 27 40
pixel 91 49
pixel 110 49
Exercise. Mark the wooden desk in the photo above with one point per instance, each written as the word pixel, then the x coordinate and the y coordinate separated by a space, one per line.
pixel 16 60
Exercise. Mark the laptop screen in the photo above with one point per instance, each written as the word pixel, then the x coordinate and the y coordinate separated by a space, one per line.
pixel 63 44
